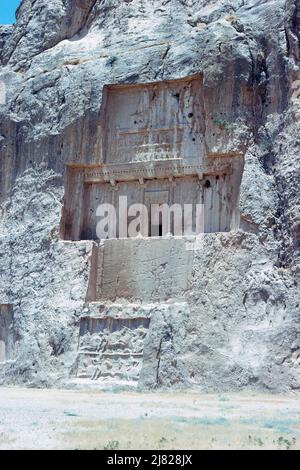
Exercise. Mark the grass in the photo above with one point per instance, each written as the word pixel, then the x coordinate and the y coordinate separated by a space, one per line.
pixel 287 444
pixel 70 413
pixel 112 445
pixel 174 433
pixel 157 421
pixel 203 421
pixel 6 441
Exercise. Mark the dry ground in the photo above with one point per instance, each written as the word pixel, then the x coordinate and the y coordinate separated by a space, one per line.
pixel 90 419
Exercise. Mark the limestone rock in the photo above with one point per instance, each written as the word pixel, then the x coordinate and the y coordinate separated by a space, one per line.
pixel 223 309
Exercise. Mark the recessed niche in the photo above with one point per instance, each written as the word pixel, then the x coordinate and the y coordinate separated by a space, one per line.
pixel 6 332
pixel 153 145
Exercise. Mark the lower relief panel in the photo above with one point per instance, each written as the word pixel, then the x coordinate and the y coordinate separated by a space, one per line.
pixel 111 348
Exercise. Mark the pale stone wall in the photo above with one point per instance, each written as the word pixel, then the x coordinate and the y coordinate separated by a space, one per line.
pixel 142 269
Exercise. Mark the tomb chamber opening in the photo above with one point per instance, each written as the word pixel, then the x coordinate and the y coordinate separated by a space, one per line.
pixel 154 153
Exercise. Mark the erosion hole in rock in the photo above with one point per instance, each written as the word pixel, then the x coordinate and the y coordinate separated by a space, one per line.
pixel 153 147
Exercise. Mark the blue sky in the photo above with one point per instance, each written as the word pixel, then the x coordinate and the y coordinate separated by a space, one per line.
pixel 7 11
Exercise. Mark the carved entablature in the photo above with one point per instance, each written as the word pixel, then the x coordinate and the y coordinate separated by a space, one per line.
pixel 159 169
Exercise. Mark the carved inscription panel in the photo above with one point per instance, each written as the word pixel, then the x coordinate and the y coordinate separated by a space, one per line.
pixel 154 122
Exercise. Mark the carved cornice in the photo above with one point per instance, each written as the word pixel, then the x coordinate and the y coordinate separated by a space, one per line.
pixel 140 171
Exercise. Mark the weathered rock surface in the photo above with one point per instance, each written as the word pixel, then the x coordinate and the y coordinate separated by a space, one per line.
pixel 235 321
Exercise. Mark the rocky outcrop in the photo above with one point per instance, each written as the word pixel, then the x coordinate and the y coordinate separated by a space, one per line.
pixel 235 316
pixel 41 25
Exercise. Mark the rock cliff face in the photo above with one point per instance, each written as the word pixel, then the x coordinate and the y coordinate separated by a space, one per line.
pixel 223 316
